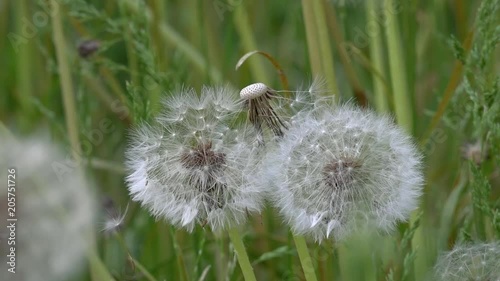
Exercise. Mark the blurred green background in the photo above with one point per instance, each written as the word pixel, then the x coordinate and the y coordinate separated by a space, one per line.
pixel 87 71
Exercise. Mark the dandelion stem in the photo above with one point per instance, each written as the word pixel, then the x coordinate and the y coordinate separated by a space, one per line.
pixel 241 254
pixel 305 258
pixel 180 259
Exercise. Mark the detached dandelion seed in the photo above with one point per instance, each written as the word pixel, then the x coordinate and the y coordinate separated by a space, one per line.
pixel 338 169
pixel 257 97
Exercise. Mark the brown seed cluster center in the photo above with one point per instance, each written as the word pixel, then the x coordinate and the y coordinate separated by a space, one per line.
pixel 206 165
pixel 203 157
pixel 339 173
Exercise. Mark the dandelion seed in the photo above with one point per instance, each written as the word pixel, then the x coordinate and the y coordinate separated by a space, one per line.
pixel 338 169
pixel 194 164
pixel 260 111
pixel 469 262
pixel 266 108
pixel 114 218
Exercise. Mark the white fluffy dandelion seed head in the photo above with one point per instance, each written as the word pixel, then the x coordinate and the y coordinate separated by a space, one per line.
pixel 54 208
pixel 254 91
pixel 469 262
pixel 193 165
pixel 338 169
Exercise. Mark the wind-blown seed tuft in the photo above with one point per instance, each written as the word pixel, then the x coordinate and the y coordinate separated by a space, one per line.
pixel 194 163
pixel 338 169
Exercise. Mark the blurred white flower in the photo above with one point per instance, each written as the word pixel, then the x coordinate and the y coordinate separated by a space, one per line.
pixel 55 213
pixel 194 163
pixel 338 169
pixel 469 262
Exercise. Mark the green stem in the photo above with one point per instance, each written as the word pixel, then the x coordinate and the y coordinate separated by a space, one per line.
pixel 191 53
pixel 25 66
pixel 305 258
pixel 311 35
pixel 241 254
pixel 243 26
pixel 98 271
pixel 377 56
pixel 133 61
pixel 325 49
pixel 66 83
pixel 180 258
pixel 401 94
pixel 346 61
pixel 136 263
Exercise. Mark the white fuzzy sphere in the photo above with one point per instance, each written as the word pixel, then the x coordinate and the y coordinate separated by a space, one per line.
pixel 342 168
pixel 55 209
pixel 193 164
pixel 469 262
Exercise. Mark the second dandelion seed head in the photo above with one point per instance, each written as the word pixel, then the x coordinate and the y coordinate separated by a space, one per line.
pixel 342 168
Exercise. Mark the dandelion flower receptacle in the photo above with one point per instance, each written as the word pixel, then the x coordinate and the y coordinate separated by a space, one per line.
pixel 193 165
pixel 338 169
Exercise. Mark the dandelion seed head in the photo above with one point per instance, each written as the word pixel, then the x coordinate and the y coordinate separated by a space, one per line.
pixel 200 171
pixel 469 262
pixel 54 207
pixel 343 168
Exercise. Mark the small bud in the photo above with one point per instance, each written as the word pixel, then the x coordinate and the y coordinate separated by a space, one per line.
pixel 474 152
pixel 88 47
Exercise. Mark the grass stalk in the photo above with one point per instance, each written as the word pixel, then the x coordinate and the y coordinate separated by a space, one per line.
pixel 241 254
pixel 172 36
pixel 24 63
pixel 133 61
pixel 318 42
pixel 399 79
pixel 305 258
pixel 158 9
pixel 248 41
pixel 345 59
pixel 312 38
pixel 377 57
pixel 70 110
pixel 148 276
pixel 325 49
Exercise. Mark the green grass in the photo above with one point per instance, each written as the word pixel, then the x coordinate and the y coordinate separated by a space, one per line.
pixel 433 65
